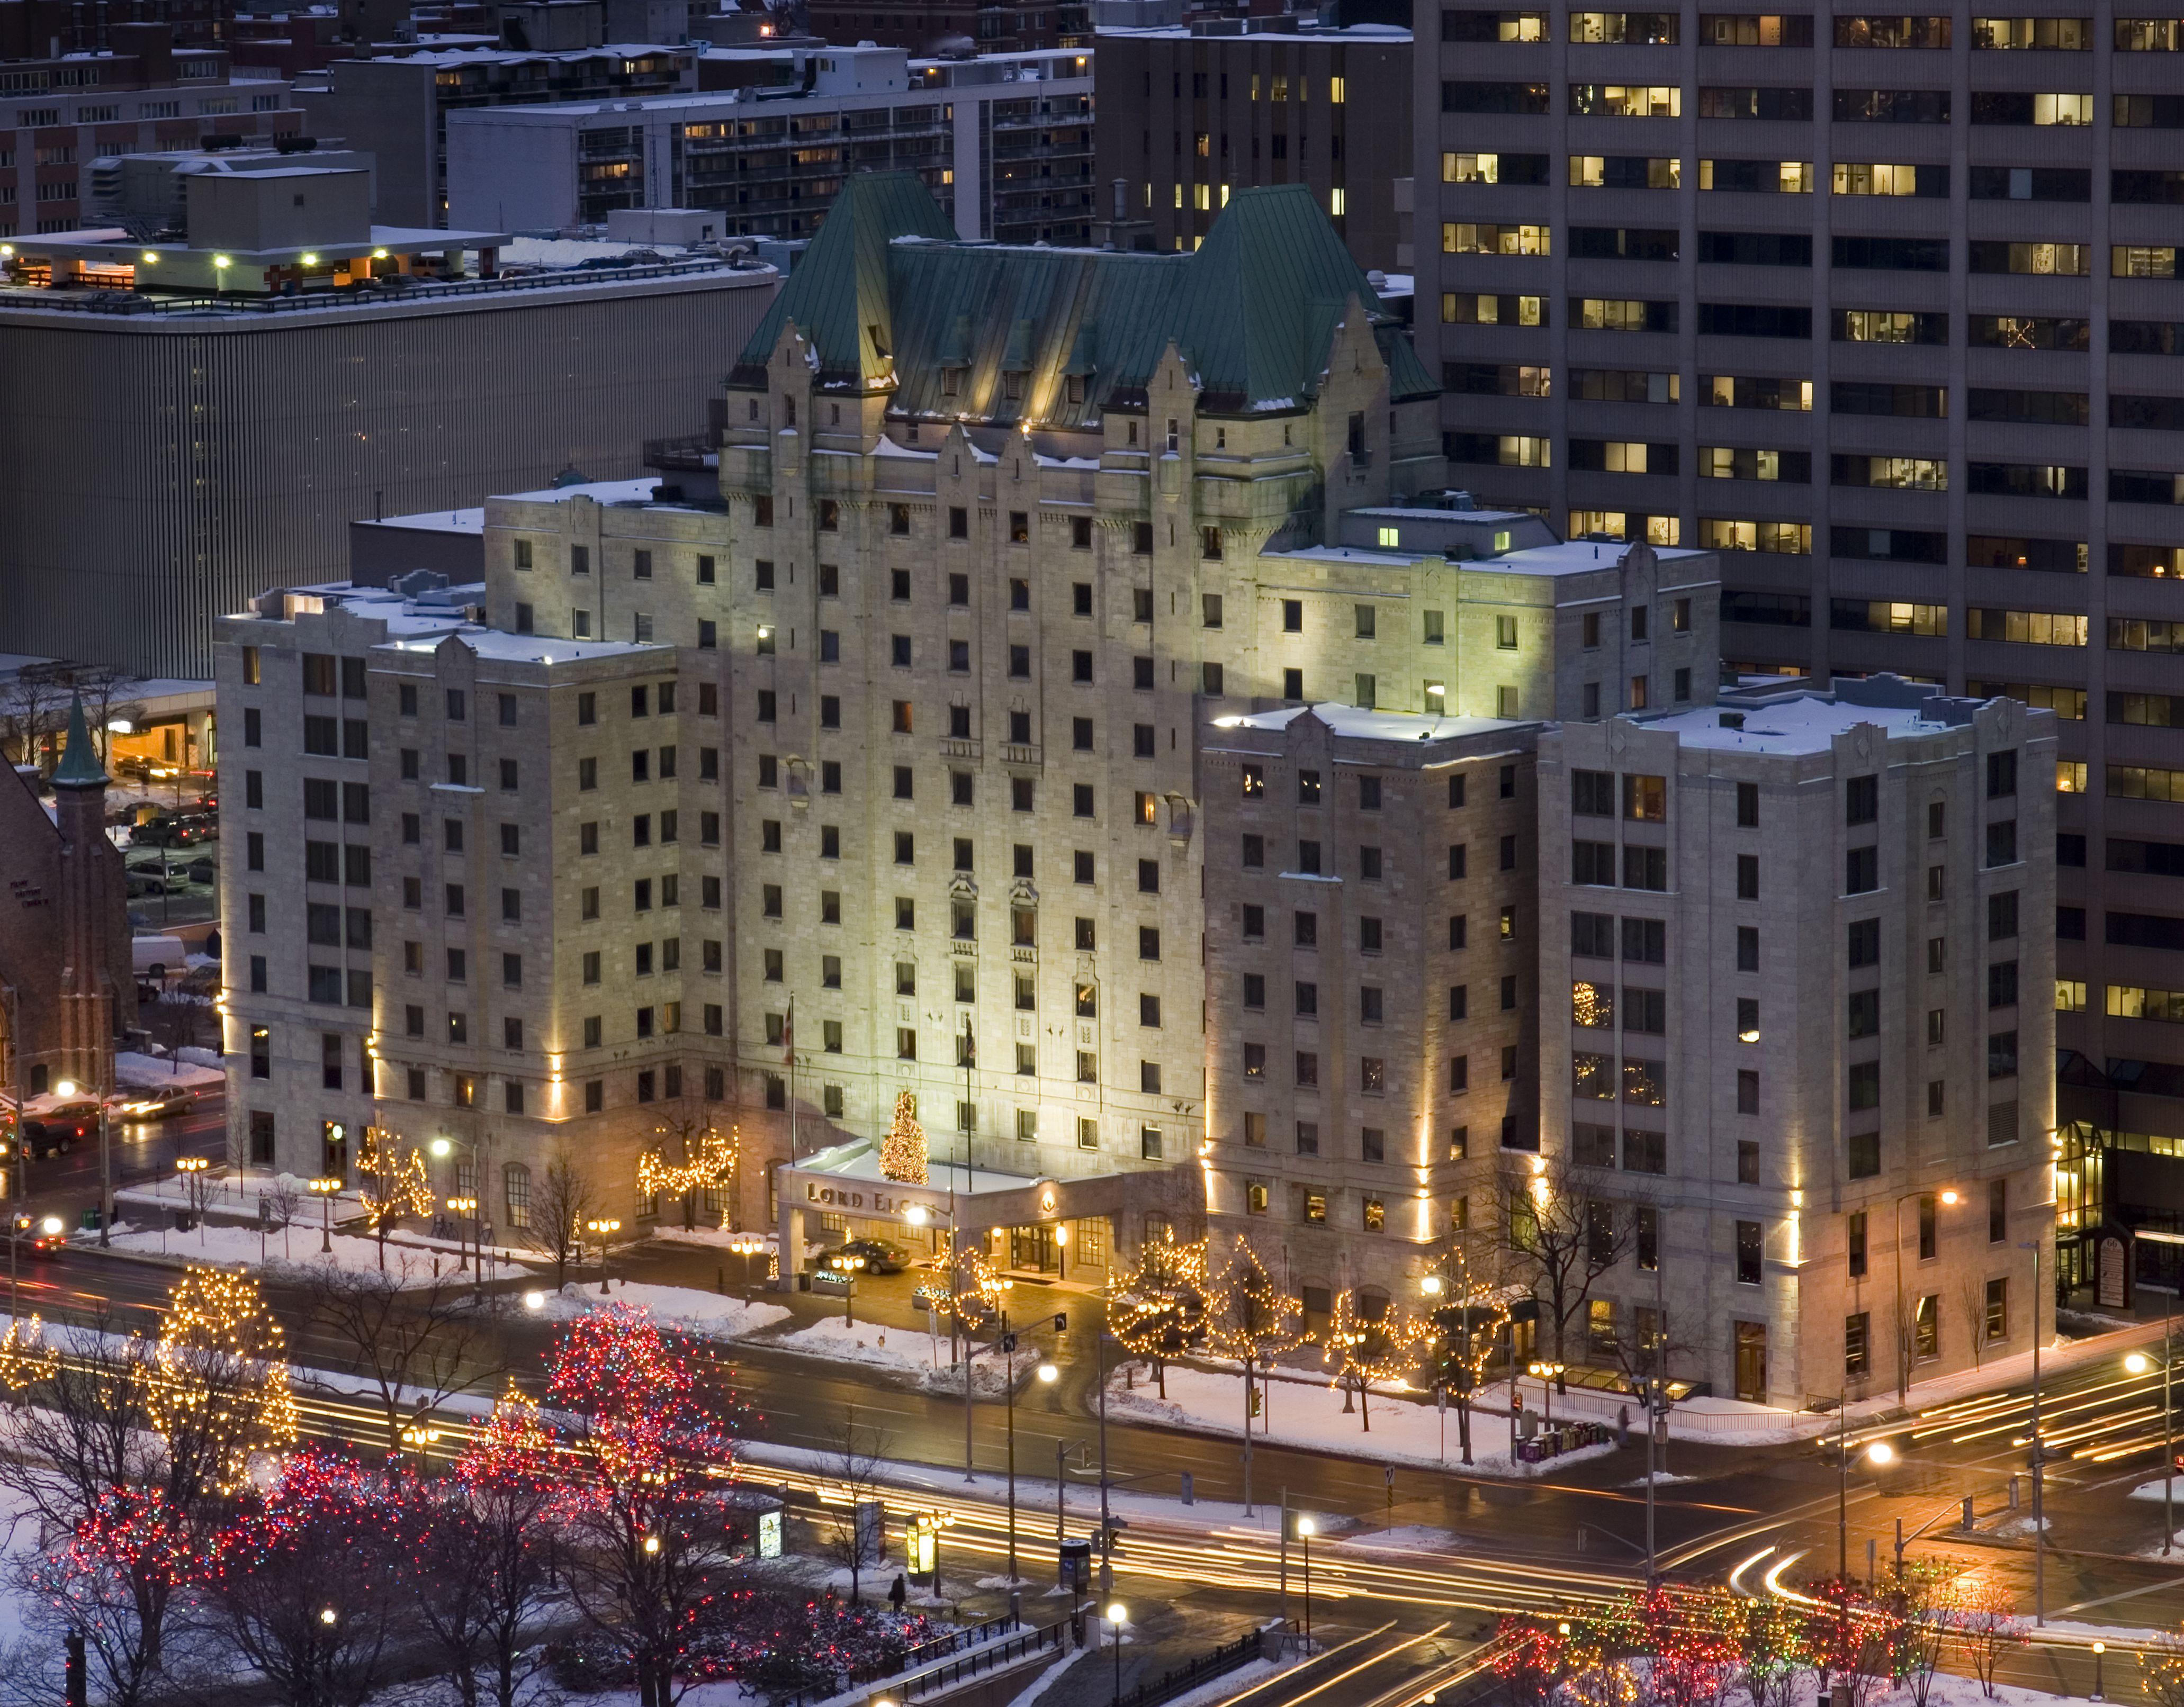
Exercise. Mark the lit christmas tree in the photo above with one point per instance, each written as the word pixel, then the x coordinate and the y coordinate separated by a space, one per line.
pixel 903 1154
pixel 221 1377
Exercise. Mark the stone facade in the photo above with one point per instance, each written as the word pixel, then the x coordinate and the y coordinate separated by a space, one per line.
pixel 1810 918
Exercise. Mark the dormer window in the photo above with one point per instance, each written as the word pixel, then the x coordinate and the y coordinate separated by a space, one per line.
pixel 1012 385
pixel 951 381
pixel 1076 388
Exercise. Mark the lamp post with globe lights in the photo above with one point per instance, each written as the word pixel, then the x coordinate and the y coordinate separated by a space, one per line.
pixel 1047 1374
pixel 1879 1454
pixel 747 1247
pixel 325 1189
pixel 1117 1612
pixel 601 1229
pixel 849 1268
pixel 1306 1529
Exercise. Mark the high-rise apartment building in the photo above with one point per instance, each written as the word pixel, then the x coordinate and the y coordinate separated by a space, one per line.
pixel 1794 957
pixel 1191 115
pixel 397 105
pixel 1881 309
pixel 140 89
pixel 1002 142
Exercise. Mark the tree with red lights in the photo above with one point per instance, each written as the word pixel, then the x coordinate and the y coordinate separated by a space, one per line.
pixel 305 1585
pixel 647 1534
pixel 482 1549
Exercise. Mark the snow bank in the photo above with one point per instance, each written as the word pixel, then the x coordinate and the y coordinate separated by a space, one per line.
pixel 901 1351
pixel 1312 1417
pixel 685 1308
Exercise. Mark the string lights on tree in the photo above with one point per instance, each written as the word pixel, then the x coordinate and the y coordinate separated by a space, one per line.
pixel 708 1166
pixel 1158 1310
pixel 1366 1342
pixel 903 1154
pixel 393 1184
pixel 221 1375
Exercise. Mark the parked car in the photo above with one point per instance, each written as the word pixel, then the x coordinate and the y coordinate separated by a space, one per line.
pixel 57 1131
pixel 154 1103
pixel 144 883
pixel 881 1257
pixel 202 871
pixel 178 829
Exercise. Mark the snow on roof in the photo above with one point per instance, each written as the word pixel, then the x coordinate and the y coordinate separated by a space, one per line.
pixel 1573 557
pixel 1802 723
pixel 860 1160
pixel 1356 723
pixel 531 648
pixel 435 521
pixel 604 491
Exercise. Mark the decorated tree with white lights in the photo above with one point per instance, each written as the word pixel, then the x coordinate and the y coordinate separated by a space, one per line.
pixel 903 1154
pixel 707 1162
pixel 393 1183
pixel 1157 1310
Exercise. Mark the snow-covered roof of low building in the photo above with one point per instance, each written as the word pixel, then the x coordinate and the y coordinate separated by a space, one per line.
pixel 1808 721
pixel 1356 723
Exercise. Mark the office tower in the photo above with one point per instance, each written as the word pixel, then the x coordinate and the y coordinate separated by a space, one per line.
pixel 204 423
pixel 1191 112
pixel 1881 309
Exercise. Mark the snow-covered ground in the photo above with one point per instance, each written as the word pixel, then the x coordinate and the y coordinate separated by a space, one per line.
pixel 683 1307
pixel 1403 1431
pixel 907 1352
pixel 132 1069
pixel 294 1249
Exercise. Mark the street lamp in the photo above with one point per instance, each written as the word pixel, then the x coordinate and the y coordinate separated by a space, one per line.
pixel 600 1230
pixel 192 1169
pixel 1880 1453
pixel 746 1247
pixel 2137 1364
pixel 847 1266
pixel 1947 1196
pixel 467 1208
pixel 17 1227
pixel 1117 1612
pixel 2099 1649
pixel 1548 1374
pixel 1305 1528
pixel 2040 1455
pixel 325 1189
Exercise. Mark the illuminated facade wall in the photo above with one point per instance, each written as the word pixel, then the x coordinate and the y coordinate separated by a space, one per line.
pixel 1796 988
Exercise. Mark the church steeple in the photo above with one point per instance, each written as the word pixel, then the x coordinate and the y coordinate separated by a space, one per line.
pixel 79 766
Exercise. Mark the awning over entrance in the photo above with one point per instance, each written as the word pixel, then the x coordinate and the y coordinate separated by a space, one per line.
pixel 848 1180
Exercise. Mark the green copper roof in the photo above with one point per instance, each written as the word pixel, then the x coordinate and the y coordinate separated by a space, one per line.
pixel 79 767
pixel 1253 311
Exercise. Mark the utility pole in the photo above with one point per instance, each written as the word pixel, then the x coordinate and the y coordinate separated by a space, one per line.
pixel 2040 1455
pixel 1106 1527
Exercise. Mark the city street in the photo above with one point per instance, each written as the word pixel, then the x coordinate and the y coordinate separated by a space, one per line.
pixel 1458 1548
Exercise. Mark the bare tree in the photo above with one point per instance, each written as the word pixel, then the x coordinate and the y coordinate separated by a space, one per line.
pixel 109 696
pixel 853 1462
pixel 1559 1240
pixel 284 1202
pixel 1971 1304
pixel 417 1346
pixel 483 1560
pixel 30 710
pixel 560 1204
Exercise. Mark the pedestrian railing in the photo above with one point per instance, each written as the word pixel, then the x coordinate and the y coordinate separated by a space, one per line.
pixel 976 1655
pixel 1221 1660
